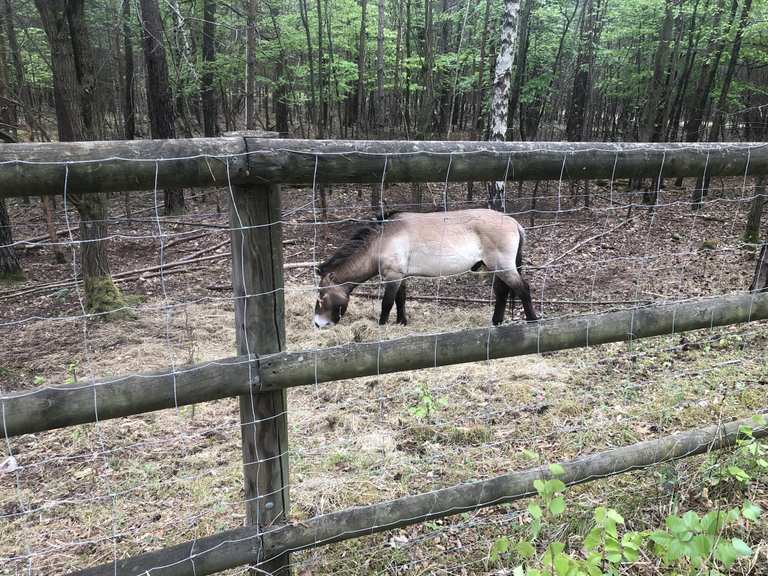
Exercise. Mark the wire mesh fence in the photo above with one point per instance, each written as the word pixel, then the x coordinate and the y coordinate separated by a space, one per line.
pixel 99 492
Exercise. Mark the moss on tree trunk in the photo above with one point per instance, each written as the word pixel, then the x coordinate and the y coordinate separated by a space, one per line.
pixel 101 293
pixel 102 296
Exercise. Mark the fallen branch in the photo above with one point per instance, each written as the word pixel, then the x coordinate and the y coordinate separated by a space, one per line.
pixel 586 241
pixel 294 265
pixel 127 275
pixel 164 221
pixel 461 299
pixel 176 241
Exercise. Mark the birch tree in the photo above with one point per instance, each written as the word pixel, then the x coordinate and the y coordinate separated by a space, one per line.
pixel 501 84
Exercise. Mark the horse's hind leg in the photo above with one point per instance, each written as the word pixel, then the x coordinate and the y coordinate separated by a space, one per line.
pixel 524 292
pixel 520 288
pixel 400 303
pixel 390 291
pixel 501 291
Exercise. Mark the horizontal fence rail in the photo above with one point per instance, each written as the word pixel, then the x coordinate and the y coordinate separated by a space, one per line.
pixel 54 407
pixel 248 545
pixel 39 169
pixel 118 166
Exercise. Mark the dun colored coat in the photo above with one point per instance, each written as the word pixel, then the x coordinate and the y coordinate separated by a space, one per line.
pixel 432 245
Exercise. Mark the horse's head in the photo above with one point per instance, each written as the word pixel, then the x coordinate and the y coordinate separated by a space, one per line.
pixel 332 300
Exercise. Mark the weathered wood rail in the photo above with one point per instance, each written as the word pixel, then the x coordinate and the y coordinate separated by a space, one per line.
pixel 58 406
pixel 35 169
pixel 262 371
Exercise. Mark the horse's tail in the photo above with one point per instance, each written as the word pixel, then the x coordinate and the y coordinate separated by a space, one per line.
pixel 520 245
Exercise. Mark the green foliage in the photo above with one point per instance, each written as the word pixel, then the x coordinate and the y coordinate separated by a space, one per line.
pixel 686 544
pixel 699 543
pixel 748 462
pixel 427 405
pixel 622 69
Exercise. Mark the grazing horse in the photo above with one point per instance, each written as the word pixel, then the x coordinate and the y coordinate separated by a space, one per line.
pixel 425 244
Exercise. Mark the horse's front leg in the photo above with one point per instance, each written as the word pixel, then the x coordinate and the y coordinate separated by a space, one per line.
pixel 400 301
pixel 390 291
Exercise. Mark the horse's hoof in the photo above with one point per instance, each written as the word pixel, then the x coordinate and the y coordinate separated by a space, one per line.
pixel 403 322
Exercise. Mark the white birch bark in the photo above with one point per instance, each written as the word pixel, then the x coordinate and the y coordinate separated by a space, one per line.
pixel 501 85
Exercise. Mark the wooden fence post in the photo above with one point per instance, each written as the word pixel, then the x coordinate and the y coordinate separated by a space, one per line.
pixel 257 286
pixel 760 279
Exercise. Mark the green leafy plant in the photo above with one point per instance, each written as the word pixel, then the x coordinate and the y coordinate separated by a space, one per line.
pixel 71 377
pixel 427 404
pixel 687 544
pixel 748 462
pixel 698 543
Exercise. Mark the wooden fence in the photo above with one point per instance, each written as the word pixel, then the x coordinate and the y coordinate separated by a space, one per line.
pixel 261 371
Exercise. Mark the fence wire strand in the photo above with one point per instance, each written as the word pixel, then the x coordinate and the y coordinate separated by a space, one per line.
pixel 119 487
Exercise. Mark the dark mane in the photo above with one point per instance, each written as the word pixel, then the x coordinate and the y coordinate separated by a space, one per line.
pixel 359 240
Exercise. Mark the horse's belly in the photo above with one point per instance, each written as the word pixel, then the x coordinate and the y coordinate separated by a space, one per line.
pixel 443 260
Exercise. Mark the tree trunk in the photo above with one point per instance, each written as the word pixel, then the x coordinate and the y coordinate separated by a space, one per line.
pixel 582 79
pixel 65 27
pixel 209 58
pixel 183 55
pixel 702 183
pixel 10 266
pixel 361 48
pixel 480 91
pixel 500 101
pixel 694 35
pixel 708 73
pixel 250 65
pixel 760 279
pixel 311 60
pixel 8 116
pixel 520 62
pixel 24 94
pixel 129 103
pixel 649 130
pixel 555 68
pixel 322 120
pixel 159 98
pixel 331 66
pixel 381 112
pixel 407 91
pixel 427 99
pixel 755 214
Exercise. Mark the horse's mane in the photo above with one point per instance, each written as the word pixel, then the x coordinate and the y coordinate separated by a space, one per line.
pixel 359 240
